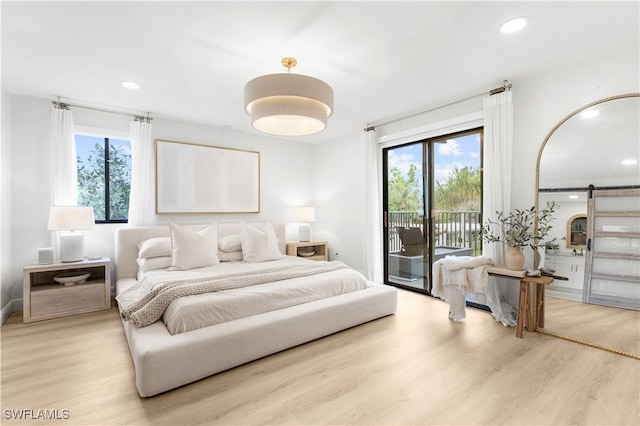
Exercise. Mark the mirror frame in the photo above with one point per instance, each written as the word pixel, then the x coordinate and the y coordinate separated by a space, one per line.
pixel 536 255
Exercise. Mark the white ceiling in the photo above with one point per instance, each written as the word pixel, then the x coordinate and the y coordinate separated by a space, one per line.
pixel 381 58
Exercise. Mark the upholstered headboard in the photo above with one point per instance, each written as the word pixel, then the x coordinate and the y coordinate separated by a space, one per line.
pixel 127 239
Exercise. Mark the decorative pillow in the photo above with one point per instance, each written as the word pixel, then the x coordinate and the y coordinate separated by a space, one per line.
pixel 230 256
pixel 152 263
pixel 230 243
pixel 149 263
pixel 193 249
pixel 154 247
pixel 259 244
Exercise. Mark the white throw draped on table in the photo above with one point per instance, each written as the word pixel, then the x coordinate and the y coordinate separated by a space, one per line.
pixel 455 277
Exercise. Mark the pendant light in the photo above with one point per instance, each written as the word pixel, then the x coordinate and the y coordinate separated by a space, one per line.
pixel 288 104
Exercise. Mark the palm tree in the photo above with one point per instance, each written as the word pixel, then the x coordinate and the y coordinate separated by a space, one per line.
pixel 461 191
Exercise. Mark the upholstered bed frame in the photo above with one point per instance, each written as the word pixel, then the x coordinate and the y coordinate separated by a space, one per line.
pixel 163 361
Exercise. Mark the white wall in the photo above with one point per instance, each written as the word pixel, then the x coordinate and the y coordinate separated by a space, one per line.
pixel 287 179
pixel 540 101
pixel 5 208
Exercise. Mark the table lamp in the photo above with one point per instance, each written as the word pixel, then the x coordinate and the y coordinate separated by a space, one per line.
pixel 70 219
pixel 304 215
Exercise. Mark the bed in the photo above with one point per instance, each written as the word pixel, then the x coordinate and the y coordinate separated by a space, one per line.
pixel 164 361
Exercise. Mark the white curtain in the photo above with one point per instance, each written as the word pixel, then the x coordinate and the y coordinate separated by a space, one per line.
pixel 372 225
pixel 141 197
pixel 498 157
pixel 64 189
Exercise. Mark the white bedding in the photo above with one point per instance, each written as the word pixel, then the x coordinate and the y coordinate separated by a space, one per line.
pixel 163 361
pixel 193 312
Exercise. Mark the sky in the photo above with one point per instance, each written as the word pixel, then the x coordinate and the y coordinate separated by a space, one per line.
pixel 458 152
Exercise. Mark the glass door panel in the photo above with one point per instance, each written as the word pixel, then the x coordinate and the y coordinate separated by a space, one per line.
pixel 457 195
pixel 405 220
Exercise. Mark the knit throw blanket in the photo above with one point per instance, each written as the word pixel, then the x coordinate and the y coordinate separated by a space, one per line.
pixel 146 302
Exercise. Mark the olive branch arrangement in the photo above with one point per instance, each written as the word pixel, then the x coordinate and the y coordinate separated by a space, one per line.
pixel 516 228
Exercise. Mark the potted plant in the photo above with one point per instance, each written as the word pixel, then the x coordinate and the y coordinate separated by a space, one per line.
pixel 551 247
pixel 517 229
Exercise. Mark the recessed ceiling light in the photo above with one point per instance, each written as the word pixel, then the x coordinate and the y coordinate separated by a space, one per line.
pixel 130 85
pixel 513 25
pixel 573 197
pixel 589 113
pixel 629 162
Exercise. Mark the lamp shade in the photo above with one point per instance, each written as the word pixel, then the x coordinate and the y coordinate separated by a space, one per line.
pixel 288 104
pixel 70 218
pixel 304 214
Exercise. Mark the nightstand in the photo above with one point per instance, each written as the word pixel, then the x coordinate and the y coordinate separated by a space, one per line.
pixel 314 250
pixel 44 298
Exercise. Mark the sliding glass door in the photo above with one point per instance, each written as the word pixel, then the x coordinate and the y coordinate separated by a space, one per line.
pixel 432 203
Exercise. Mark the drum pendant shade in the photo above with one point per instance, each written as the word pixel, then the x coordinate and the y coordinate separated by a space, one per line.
pixel 288 104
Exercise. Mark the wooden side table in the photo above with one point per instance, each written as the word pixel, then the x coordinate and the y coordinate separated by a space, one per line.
pixel 314 250
pixel 525 311
pixel 44 298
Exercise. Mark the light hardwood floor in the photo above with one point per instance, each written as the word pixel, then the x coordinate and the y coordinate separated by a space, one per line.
pixel 614 328
pixel 415 367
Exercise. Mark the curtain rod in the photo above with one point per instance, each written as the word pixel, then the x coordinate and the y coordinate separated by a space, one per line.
pixel 505 86
pixel 65 105
pixel 585 189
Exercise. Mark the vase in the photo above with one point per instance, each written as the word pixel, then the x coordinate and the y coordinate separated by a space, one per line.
pixel 514 259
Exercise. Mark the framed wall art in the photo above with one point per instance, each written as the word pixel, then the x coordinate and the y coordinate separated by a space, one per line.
pixel 193 178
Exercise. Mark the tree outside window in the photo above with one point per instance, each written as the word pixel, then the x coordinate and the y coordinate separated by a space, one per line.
pixel 104 176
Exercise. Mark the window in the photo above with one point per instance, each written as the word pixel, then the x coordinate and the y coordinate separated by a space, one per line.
pixel 104 176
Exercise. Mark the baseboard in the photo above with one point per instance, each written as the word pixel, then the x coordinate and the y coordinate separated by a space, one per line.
pixel 9 308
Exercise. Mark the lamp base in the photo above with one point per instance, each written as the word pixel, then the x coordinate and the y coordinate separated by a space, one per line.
pixel 304 232
pixel 71 248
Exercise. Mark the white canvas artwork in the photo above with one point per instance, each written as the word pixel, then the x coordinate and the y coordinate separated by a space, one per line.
pixel 192 178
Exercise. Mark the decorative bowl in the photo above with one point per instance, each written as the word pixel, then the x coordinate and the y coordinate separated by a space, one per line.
pixel 306 253
pixel 71 278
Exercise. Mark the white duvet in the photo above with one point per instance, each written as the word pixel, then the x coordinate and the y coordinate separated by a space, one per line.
pixel 193 312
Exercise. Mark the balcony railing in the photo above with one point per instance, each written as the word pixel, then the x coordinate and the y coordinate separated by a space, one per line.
pixel 452 228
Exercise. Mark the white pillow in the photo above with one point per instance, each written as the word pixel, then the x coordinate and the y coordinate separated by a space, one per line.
pixel 154 247
pixel 193 249
pixel 230 256
pixel 151 264
pixel 230 243
pixel 259 245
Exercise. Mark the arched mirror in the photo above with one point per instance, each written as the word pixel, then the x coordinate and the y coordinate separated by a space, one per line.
pixel 596 146
pixel 577 232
